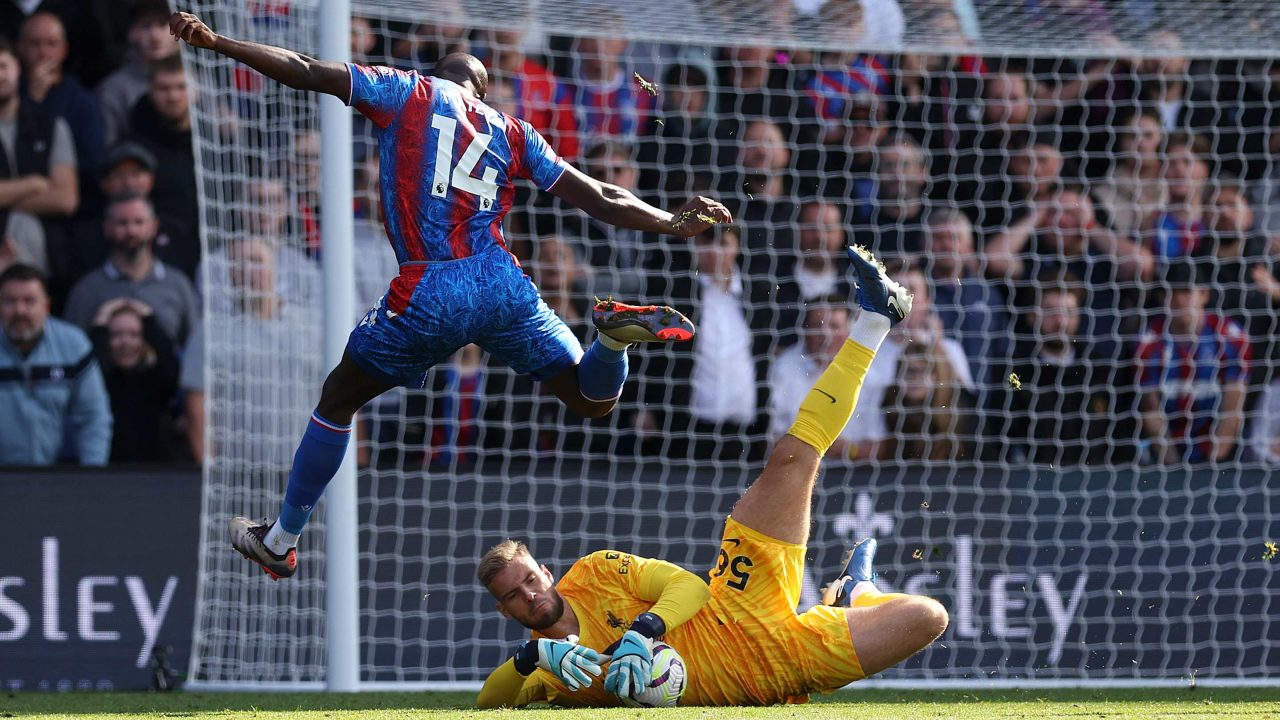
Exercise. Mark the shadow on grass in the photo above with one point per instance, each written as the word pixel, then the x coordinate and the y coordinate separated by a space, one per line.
pixel 178 704
pixel 1117 695
pixel 175 704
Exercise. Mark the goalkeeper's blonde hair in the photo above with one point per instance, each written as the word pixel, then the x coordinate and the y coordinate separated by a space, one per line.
pixel 498 558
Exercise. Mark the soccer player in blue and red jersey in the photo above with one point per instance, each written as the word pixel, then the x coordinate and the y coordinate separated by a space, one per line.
pixel 449 165
pixel 1193 367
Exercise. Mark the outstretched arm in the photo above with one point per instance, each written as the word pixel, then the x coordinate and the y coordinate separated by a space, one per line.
pixel 620 207
pixel 293 69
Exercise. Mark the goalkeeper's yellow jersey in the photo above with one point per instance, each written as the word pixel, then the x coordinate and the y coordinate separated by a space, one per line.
pixel 738 650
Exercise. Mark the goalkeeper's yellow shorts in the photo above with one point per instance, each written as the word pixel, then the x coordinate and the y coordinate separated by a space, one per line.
pixel 755 588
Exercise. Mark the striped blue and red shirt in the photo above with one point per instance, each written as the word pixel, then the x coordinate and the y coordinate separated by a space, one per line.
pixel 616 109
pixel 1191 377
pixel 449 162
pixel 1172 238
pixel 829 89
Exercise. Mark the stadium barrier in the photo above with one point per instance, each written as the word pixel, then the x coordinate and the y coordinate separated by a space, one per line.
pixel 1039 569
pixel 98 571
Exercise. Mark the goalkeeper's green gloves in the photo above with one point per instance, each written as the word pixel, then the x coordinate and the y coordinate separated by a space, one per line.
pixel 632 661
pixel 572 664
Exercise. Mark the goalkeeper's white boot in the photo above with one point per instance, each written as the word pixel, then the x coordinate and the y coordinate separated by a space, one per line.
pixel 876 291
pixel 249 539
pixel 641 323
pixel 856 569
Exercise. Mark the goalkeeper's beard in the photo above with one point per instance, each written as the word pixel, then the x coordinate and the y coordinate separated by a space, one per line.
pixel 551 616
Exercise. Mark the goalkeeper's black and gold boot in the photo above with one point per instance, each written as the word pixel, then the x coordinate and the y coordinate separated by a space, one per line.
pixel 249 539
pixel 641 323
pixel 856 568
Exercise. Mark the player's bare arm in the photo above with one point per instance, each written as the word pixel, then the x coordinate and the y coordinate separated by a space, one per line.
pixel 620 207
pixel 286 66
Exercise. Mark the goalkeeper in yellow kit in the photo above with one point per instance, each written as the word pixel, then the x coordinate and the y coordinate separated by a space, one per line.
pixel 741 638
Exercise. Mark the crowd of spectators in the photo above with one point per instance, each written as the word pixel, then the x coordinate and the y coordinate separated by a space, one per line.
pixel 1088 241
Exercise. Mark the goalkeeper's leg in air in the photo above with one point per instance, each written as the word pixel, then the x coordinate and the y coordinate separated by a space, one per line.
pixel 883 628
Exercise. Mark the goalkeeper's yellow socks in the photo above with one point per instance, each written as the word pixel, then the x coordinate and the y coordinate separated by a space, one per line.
pixel 866 594
pixel 830 403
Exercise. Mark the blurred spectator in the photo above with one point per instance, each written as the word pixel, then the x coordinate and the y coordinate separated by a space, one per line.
pixel 1163 80
pixel 921 328
pixel 612 254
pixel 132 271
pixel 1192 367
pixel 761 166
pixel 259 349
pixel 757 193
pixel 756 84
pixel 42 47
pixel 833 169
pixel 880 22
pixel 22 241
pixel 921 409
pixel 821 262
pixel 421 45
pixel 1063 237
pixel 558 276
pixel 453 411
pixel 304 180
pixel 1245 282
pixel 819 267
pixel 888 212
pixel 1178 228
pixel 608 101
pixel 149 42
pixel 377 265
pixel 976 172
pixel 129 169
pixel 365 38
pixel 1265 440
pixel 1055 406
pixel 161 122
pixel 140 368
pixel 934 92
pixel 53 403
pixel 704 398
pixel 89 26
pixel 973 310
pixel 264 207
pixel 681 152
pixel 37 177
pixel 794 370
pixel 1132 193
pixel 1037 173
pixel 838 76
pixel 521 86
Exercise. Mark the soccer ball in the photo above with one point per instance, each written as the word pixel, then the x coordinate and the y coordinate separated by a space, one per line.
pixel 666 682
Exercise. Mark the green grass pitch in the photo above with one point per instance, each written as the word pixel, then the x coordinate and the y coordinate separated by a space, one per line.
pixel 1174 703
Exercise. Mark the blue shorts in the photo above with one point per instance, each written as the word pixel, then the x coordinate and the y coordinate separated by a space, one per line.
pixel 433 309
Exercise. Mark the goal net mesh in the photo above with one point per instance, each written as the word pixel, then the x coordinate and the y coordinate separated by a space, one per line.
pixel 1067 445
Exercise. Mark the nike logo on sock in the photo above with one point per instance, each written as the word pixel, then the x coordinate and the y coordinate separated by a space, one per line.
pixel 824 392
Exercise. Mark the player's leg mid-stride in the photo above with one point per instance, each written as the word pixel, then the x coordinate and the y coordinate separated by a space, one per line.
pixel 875 630
pixel 590 386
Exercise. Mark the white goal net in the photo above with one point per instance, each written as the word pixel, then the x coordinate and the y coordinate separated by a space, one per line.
pixel 1069 444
